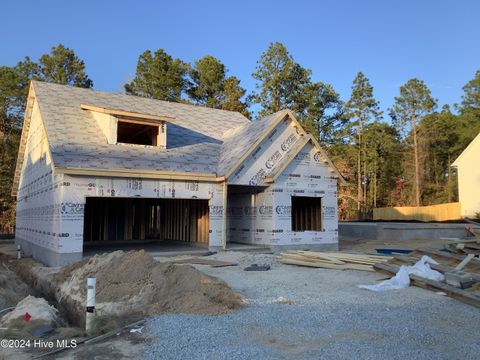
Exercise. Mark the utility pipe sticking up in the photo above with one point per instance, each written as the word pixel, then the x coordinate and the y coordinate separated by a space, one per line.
pixel 90 310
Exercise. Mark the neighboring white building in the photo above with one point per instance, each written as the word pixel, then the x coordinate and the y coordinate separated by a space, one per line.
pixel 468 170
pixel 95 167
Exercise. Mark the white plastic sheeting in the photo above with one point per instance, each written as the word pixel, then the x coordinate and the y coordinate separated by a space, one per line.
pixel 402 279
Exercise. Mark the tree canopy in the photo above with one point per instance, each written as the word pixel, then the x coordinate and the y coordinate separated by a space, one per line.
pixel 282 83
pixel 414 102
pixel 159 76
pixel 279 79
pixel 402 162
pixel 211 87
pixel 62 66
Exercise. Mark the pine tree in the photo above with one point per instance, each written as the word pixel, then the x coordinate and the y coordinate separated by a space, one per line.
pixel 279 79
pixel 211 87
pixel 208 82
pixel 159 76
pixel 232 97
pixel 415 101
pixel 362 108
pixel 62 66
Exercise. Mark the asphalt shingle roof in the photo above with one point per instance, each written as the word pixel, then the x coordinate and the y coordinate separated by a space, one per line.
pixel 200 139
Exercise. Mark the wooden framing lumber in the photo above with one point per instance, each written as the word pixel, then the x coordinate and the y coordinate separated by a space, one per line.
pixel 464 262
pixel 138 219
pixel 459 294
pixel 332 260
pixel 447 255
pixel 327 265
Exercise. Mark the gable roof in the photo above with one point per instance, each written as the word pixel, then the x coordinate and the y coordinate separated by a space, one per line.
pixel 243 141
pixel 201 142
pixel 467 150
pixel 239 142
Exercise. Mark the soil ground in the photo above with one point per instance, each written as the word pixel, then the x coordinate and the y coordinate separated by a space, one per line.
pixel 305 313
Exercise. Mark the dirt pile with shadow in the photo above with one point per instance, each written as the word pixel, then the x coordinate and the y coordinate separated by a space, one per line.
pixel 133 283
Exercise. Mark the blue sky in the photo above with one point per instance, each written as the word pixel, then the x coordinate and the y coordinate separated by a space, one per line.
pixel 390 41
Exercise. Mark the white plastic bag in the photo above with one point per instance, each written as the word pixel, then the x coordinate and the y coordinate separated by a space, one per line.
pixel 402 280
pixel 421 268
pixel 399 281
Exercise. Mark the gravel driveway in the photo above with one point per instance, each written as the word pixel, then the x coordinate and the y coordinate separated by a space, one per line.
pixel 305 313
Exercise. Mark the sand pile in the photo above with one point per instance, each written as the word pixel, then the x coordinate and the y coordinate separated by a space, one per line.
pixel 38 310
pixel 134 283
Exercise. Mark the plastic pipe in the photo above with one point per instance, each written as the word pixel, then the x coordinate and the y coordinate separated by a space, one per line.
pixel 90 309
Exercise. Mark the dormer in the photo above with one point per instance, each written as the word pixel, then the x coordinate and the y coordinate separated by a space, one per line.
pixel 125 127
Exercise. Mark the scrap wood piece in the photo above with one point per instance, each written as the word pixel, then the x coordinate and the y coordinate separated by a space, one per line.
pixel 471 231
pixel 300 257
pixel 459 294
pixel 473 246
pixel 473 265
pixel 464 262
pixel 202 261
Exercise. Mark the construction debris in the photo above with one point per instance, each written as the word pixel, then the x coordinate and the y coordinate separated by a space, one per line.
pixel 463 246
pixel 333 260
pixel 461 285
pixel 256 267
pixel 202 261
pixel 38 309
pixel 402 280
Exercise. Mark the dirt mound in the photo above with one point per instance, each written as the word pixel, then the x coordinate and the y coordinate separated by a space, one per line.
pixel 12 288
pixel 133 282
pixel 38 309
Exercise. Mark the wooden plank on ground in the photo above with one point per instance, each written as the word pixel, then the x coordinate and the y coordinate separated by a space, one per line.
pixel 200 261
pixel 464 262
pixel 326 265
pixel 459 294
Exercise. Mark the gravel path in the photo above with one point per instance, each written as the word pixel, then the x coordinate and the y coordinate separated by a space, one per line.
pixel 303 313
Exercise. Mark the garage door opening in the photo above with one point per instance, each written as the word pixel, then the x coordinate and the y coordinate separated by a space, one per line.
pixel 126 220
pixel 306 213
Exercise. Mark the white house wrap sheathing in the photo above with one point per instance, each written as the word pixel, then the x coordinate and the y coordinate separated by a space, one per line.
pixel 265 163
pixel 52 229
pixel 263 215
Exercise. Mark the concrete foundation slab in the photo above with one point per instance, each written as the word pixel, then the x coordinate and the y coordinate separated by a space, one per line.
pixel 47 256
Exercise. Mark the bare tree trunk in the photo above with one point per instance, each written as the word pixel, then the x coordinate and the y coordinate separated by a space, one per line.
pixel 364 180
pixel 359 172
pixel 449 181
pixel 417 164
pixel 375 184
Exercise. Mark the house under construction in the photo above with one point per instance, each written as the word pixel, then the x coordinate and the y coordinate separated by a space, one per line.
pixel 96 167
